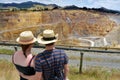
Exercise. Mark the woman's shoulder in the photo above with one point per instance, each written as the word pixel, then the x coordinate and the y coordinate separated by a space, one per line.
pixel 17 53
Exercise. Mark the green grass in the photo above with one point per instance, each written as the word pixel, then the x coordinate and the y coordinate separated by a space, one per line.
pixel 8 72
pixel 6 51
pixel 95 73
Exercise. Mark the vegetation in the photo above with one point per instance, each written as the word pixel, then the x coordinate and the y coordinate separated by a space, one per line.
pixel 95 73
pixel 7 71
pixel 35 6
pixel 6 51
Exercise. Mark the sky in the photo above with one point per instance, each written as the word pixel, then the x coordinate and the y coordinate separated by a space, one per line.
pixel 110 4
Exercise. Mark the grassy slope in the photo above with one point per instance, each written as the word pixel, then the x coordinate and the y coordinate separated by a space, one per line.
pixel 6 51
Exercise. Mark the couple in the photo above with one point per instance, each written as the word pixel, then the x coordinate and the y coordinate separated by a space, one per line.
pixel 51 64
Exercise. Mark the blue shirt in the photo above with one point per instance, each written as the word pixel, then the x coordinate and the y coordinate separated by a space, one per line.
pixel 51 63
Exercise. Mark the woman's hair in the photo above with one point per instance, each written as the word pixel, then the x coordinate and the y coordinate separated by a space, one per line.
pixel 24 48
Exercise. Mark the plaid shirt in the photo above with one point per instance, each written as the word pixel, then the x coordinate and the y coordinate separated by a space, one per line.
pixel 51 63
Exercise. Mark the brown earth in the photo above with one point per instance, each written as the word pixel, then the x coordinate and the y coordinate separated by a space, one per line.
pixel 67 23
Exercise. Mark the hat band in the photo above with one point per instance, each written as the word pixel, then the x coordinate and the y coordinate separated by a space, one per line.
pixel 48 39
pixel 26 40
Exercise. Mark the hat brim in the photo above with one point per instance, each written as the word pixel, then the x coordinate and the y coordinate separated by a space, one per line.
pixel 41 41
pixel 25 43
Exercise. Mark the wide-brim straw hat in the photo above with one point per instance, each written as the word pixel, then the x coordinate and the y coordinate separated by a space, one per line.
pixel 47 37
pixel 26 37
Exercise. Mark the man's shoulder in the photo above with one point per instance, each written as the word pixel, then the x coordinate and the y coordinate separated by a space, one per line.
pixel 59 52
pixel 39 54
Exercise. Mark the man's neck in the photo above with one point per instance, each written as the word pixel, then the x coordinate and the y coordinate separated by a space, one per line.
pixel 50 47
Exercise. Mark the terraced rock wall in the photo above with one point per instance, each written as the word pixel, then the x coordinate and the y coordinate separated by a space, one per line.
pixel 67 23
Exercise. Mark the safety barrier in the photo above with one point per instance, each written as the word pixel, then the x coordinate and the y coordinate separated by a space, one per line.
pixel 81 49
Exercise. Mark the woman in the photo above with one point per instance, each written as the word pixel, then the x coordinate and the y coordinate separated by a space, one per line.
pixel 23 59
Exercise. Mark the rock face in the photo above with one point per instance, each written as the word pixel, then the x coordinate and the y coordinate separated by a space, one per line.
pixel 67 23
pixel 12 23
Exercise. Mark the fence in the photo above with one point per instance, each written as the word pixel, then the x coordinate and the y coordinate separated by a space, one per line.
pixel 81 49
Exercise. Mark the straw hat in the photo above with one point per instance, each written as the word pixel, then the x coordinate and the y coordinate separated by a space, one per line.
pixel 47 37
pixel 26 37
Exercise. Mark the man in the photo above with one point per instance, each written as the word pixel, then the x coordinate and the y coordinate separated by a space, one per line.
pixel 51 64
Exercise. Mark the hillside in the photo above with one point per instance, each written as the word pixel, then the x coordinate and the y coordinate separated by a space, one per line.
pixel 36 6
pixel 70 24
pixel 27 4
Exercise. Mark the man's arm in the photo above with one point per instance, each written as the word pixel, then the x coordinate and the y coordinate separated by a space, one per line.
pixel 66 71
pixel 37 76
